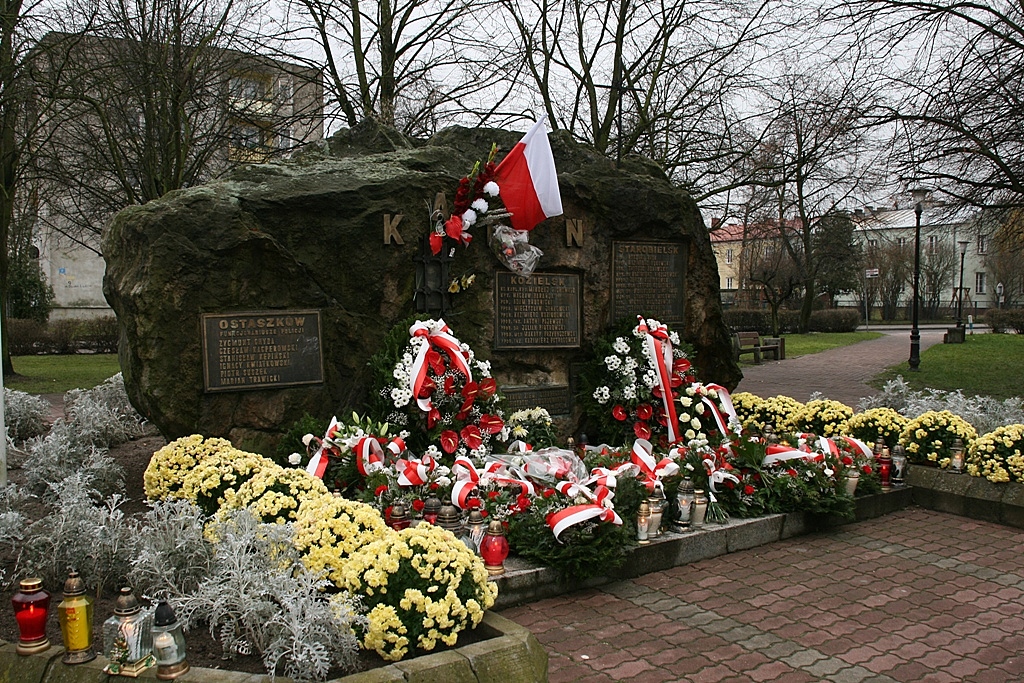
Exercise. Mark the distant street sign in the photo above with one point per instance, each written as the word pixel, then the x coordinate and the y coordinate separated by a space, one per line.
pixel 871 272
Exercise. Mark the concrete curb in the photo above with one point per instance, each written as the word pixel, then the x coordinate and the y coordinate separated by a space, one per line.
pixel 508 653
pixel 967 496
pixel 524 582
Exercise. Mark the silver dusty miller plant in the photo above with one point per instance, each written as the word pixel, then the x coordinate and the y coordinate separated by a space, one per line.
pixel 258 595
pixel 103 415
pixel 85 532
pixel 171 555
pixel 983 412
pixel 65 452
pixel 24 414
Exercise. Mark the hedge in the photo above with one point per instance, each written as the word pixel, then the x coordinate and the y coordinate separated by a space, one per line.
pixel 30 338
pixel 1002 319
pixel 830 320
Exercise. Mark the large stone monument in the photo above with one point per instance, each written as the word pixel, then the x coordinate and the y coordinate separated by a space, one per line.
pixel 249 301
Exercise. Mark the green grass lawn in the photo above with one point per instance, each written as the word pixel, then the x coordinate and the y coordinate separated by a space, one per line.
pixel 57 374
pixel 986 364
pixel 816 342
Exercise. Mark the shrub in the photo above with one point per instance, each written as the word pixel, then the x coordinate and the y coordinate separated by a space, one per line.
pixel 29 295
pixel 103 415
pixel 274 493
pixel 1002 319
pixel 26 337
pixel 997 456
pixel 877 422
pixel 31 337
pixel 929 437
pixel 823 417
pixel 329 528
pixel 756 413
pixel 746 320
pixel 24 414
pixel 63 453
pixel 99 335
pixel 171 558
pixel 420 586
pixel 834 320
pixel 166 471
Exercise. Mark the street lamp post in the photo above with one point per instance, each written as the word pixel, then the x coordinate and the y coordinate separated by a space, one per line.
pixel 960 291
pixel 915 333
pixel 999 295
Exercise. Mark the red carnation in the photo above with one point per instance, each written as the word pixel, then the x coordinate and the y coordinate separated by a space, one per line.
pixel 417 505
pixel 644 411
pixel 492 494
pixel 547 493
pixel 522 502
pixel 791 472
pixel 867 469
pixel 847 460
pixel 748 490
pixel 474 503
pixel 619 413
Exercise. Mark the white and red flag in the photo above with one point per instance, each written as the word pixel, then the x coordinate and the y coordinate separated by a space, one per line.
pixel 528 181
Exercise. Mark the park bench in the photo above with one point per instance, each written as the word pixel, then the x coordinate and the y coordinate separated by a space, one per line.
pixel 753 343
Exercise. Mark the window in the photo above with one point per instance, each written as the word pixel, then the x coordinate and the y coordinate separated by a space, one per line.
pixel 933 243
pixel 248 88
pixel 901 242
pixel 728 257
pixel 979 283
pixel 872 243
pixel 982 244
pixel 285 141
pixel 728 283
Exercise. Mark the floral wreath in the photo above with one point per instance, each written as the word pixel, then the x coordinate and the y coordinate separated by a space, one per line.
pixel 442 391
pixel 470 203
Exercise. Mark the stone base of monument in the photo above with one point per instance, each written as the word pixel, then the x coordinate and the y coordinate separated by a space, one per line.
pixel 508 653
pixel 525 582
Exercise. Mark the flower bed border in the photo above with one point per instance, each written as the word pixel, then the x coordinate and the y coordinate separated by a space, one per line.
pixel 525 582
pixel 967 496
pixel 509 653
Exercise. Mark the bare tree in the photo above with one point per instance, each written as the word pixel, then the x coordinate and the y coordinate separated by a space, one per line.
pixel 772 269
pixel 893 259
pixel 956 88
pixel 1004 260
pixel 154 97
pixel 938 264
pixel 410 64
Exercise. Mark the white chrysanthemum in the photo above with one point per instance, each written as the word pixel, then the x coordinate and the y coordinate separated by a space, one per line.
pixel 400 396
pixel 484 366
pixel 468 218
pixel 491 189
pixel 629 393
pixel 673 337
pixel 650 379
pixel 621 346
pixel 629 364
pixel 479 205
pixel 602 394
pixel 613 363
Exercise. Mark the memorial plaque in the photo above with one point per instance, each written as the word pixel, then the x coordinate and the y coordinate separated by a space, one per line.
pixel 555 398
pixel 538 312
pixel 261 350
pixel 648 279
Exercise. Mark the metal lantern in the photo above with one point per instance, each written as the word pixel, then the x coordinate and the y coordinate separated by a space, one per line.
pixel 643 523
pixel 879 446
pixel 494 548
pixel 684 500
pixel 31 607
pixel 449 518
pixel 75 614
pixel 168 644
pixel 956 456
pixel 899 466
pixel 128 637
pixel 476 527
pixel 700 508
pixel 399 517
pixel 431 506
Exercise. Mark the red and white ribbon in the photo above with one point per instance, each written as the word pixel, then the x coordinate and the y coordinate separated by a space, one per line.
pixel 727 407
pixel 858 445
pixel 651 471
pixel 369 453
pixel 438 336
pixel 415 471
pixel 318 463
pixel 576 514
pixel 659 348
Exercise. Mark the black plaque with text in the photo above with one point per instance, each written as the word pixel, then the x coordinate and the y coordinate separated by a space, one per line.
pixel 648 279
pixel 555 398
pixel 261 350
pixel 538 312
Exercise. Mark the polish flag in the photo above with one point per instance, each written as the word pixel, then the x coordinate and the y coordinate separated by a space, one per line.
pixel 527 180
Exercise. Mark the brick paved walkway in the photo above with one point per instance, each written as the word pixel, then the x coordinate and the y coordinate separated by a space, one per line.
pixel 913 596
pixel 839 374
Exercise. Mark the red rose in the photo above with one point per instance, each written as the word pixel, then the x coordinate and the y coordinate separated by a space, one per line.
pixel 748 490
pixel 847 460
pixel 474 503
pixel 644 411
pixel 791 472
pixel 492 494
pixel 522 502
pixel 417 505
pixel 380 490
pixel 867 469
pixel 619 413
pixel 641 430
pixel 449 441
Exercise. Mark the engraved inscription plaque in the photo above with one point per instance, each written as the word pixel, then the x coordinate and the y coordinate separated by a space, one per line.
pixel 555 398
pixel 539 312
pixel 261 350
pixel 648 278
